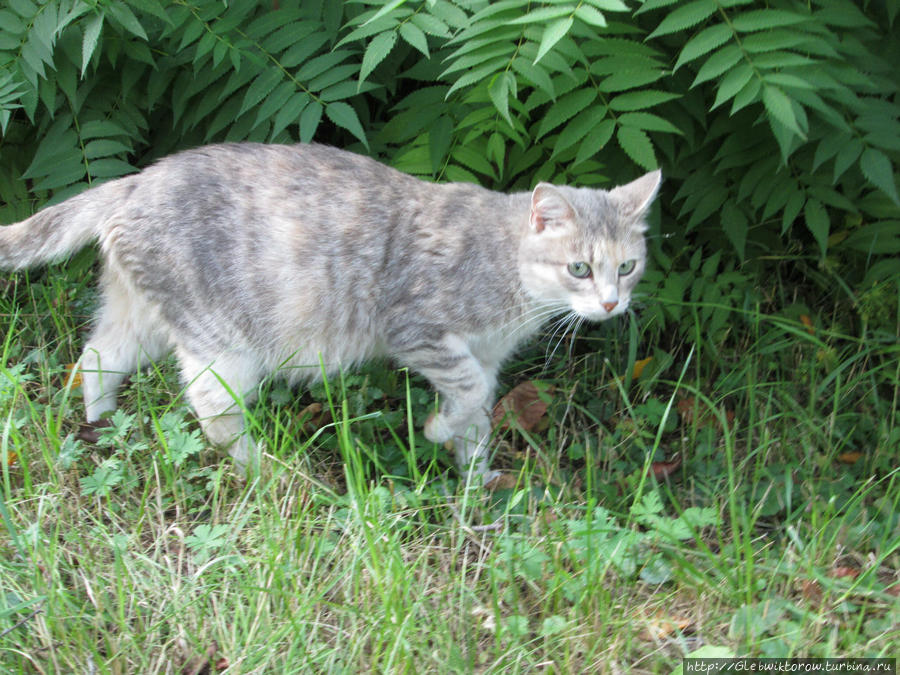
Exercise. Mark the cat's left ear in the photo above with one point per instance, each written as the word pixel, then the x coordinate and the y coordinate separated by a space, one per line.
pixel 549 208
pixel 636 197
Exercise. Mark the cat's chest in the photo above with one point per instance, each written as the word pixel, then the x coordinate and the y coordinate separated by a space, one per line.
pixel 492 347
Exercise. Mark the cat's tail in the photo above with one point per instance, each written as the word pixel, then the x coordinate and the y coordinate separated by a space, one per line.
pixel 60 230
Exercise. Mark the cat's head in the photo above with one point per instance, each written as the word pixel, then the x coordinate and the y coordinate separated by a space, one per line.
pixel 584 249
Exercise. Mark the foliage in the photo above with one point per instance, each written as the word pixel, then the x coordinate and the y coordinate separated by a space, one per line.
pixel 776 125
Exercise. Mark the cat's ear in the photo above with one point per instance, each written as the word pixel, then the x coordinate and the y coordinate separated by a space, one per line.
pixel 636 197
pixel 549 208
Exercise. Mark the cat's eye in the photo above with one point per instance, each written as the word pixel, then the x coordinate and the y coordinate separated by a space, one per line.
pixel 579 270
pixel 627 268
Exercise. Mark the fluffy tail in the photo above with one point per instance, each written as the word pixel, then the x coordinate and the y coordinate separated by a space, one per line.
pixel 60 230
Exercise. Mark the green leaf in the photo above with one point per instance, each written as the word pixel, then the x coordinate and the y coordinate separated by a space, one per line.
pixel 718 63
pixel 735 225
pixel 262 86
pixel 388 8
pixel 780 107
pixel 763 19
pixel 591 16
pixel 440 136
pixel 610 5
pixel 89 41
pixel 878 170
pixel 552 34
pixel 544 14
pixel 684 17
pixel 577 129
pixel 817 223
pixel 595 141
pixel 636 144
pixel 535 74
pixel 127 19
pixel 846 155
pixel 431 25
pixel 637 100
pixel 732 83
pixel 415 38
pixel 498 90
pixel 309 121
pixel 648 122
pixel 567 107
pixel 343 115
pixel 703 43
pixel 288 113
pixel 379 47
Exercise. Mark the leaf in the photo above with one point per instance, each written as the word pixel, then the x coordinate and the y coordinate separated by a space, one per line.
pixel 684 17
pixel 524 406
pixel 127 19
pixel 637 100
pixel 718 63
pixel 878 170
pixel 763 19
pixel 661 628
pixel 498 90
pixel 415 37
pixel 636 144
pixel 648 122
pixel 591 16
pixel 535 74
pixel 379 47
pixel 818 223
pixel 544 14
pixel 662 470
pixel 261 87
pixel 595 141
pixel 780 107
pixel 89 41
pixel 735 80
pixel 735 225
pixel 565 108
pixel 440 136
pixel 553 33
pixel 309 121
pixel 703 43
pixel 343 115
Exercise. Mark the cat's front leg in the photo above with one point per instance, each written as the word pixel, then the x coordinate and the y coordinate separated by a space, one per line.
pixel 465 387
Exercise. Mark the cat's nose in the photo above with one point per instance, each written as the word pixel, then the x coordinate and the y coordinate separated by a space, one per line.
pixel 610 306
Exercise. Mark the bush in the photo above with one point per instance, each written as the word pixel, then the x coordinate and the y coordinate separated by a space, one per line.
pixel 776 125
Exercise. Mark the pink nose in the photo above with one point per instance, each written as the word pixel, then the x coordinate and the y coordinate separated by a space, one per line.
pixel 610 306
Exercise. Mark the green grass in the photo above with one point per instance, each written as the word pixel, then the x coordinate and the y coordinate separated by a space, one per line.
pixel 357 550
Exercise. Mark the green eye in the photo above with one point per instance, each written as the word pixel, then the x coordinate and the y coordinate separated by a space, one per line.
pixel 580 270
pixel 627 268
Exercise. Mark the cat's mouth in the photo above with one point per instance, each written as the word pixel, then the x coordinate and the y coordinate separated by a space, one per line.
pixel 601 311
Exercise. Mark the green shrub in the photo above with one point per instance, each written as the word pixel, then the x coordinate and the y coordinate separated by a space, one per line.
pixel 776 124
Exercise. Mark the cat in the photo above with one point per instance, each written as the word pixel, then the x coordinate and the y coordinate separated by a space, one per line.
pixel 250 259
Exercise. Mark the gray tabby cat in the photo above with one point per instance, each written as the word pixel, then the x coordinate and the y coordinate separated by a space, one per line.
pixel 248 260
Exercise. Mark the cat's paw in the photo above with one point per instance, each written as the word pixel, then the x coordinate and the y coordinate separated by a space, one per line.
pixel 437 430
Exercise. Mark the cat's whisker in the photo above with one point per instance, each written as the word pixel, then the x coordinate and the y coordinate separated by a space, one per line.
pixel 564 325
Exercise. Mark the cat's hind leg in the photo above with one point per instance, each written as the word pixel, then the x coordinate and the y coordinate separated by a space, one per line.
pixel 124 338
pixel 215 388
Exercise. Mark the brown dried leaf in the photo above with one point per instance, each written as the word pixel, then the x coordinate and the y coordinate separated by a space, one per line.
pixel 660 627
pixel 841 572
pixel 504 481
pixel 662 470
pixel 73 376
pixel 199 665
pixel 522 404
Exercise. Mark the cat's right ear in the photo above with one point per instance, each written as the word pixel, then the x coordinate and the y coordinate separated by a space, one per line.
pixel 549 208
